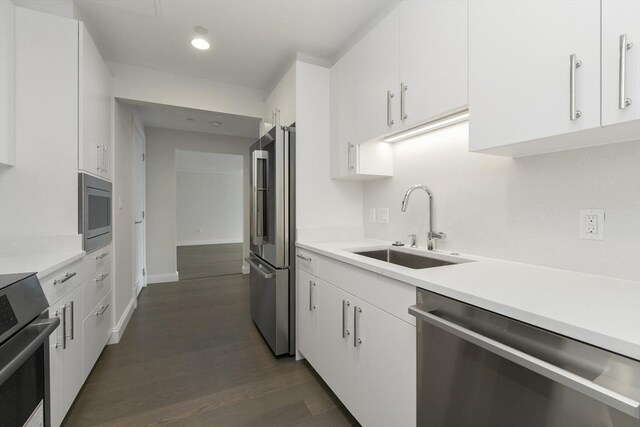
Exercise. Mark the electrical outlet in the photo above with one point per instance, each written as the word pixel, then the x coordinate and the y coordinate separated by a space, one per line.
pixel 372 215
pixel 592 224
pixel 383 215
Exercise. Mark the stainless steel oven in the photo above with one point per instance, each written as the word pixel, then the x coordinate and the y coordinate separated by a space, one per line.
pixel 24 352
pixel 94 214
pixel 480 369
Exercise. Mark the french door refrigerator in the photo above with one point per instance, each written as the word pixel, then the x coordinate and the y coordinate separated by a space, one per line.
pixel 271 259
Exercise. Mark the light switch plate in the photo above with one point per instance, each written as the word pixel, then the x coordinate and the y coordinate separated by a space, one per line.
pixel 592 224
pixel 372 215
pixel 383 215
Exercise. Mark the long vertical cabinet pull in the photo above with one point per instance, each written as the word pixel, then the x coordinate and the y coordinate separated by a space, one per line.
pixel 389 98
pixel 350 158
pixel 105 159
pixel 356 339
pixel 73 311
pixel 312 306
pixel 403 96
pixel 63 311
pixel 98 159
pixel 623 101
pixel 345 312
pixel 574 64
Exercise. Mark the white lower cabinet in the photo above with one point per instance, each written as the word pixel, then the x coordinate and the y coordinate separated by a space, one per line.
pixel 96 329
pixel 365 354
pixel 65 354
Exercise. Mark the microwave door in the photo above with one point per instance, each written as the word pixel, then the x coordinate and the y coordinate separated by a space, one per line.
pixel 275 245
pixel 98 220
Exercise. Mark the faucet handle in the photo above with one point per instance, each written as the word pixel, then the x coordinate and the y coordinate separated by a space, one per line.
pixel 413 240
pixel 438 235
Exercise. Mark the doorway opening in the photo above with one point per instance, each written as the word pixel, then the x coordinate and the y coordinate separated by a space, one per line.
pixel 209 214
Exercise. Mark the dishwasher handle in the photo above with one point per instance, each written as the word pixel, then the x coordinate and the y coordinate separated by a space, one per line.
pixel 548 370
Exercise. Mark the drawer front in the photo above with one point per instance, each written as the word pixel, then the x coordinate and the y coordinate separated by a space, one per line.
pixel 95 260
pixel 96 329
pixel 307 261
pixel 96 287
pixel 59 283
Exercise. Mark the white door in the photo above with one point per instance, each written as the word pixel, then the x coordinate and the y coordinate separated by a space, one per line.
pixel 433 58
pixel 620 24
pixel 139 209
pixel 306 316
pixel 519 69
pixel 335 351
pixel 385 365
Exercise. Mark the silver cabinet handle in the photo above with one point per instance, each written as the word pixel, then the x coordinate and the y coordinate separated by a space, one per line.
pixel 623 101
pixel 66 277
pixel 102 277
pixel 138 222
pixel 259 268
pixel 356 339
pixel 345 311
pixel 403 108
pixel 350 158
pixel 99 159
pixel 105 158
pixel 312 306
pixel 102 310
pixel 306 258
pixel 389 98
pixel 73 312
pixel 554 373
pixel 102 255
pixel 574 64
pixel 64 327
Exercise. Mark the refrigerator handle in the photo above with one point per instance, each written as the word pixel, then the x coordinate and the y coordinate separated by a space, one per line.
pixel 258 194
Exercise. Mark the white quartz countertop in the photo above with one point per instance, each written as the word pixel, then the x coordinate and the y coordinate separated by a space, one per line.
pixel 601 311
pixel 43 263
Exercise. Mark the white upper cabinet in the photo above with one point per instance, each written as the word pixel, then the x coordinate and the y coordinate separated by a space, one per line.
pixel 523 85
pixel 620 61
pixel 433 59
pixel 7 83
pixel 280 105
pixel 96 110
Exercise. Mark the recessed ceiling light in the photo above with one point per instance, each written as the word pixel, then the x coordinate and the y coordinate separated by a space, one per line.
pixel 201 44
pixel 199 29
pixel 215 123
pixel 191 119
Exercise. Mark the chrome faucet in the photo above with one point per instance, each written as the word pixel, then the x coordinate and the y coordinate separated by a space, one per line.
pixel 433 235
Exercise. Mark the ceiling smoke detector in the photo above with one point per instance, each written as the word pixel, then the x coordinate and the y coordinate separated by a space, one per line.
pixel 215 123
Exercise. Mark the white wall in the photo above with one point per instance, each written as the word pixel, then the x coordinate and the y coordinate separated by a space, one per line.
pixel 161 189
pixel 123 218
pixel 145 84
pixel 321 203
pixel 209 198
pixel 523 210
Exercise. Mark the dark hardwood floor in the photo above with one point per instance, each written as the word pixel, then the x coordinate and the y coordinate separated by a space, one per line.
pixel 209 260
pixel 192 357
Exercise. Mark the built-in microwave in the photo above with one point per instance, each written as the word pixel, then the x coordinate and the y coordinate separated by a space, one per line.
pixel 94 214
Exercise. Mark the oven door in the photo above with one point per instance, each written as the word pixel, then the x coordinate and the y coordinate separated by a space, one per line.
pixel 24 375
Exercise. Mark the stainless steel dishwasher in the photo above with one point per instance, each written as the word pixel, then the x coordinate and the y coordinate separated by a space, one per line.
pixel 477 368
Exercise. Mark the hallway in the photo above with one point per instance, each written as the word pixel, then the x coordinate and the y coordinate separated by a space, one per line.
pixel 192 357
pixel 199 261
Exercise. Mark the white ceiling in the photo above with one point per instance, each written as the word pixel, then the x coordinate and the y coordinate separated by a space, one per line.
pixel 252 41
pixel 170 117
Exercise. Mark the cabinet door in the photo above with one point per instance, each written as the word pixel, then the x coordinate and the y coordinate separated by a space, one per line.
pixel 96 109
pixel 306 317
pixel 385 361
pixel 55 367
pixel 433 58
pixel 335 342
pixel 71 378
pixel 378 75
pixel 7 83
pixel 344 114
pixel 519 69
pixel 620 24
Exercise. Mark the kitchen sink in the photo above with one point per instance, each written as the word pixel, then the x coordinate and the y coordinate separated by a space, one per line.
pixel 409 260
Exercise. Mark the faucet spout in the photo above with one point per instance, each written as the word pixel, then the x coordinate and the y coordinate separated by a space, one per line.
pixel 432 235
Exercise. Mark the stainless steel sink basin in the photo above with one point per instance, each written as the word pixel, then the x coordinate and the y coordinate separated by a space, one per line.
pixel 406 259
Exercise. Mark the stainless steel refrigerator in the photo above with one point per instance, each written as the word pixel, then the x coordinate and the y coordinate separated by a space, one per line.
pixel 271 258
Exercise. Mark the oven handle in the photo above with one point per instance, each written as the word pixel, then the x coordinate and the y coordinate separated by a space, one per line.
pixel 25 352
pixel 265 274
pixel 554 373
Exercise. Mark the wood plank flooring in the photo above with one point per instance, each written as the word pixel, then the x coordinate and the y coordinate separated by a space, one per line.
pixel 209 260
pixel 191 356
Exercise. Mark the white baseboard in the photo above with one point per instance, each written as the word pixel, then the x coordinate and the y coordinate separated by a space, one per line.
pixel 209 242
pixel 118 331
pixel 245 268
pixel 163 278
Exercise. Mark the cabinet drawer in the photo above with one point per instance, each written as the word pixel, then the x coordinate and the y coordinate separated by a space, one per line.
pixel 96 287
pixel 307 261
pixel 96 329
pixel 95 260
pixel 59 283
